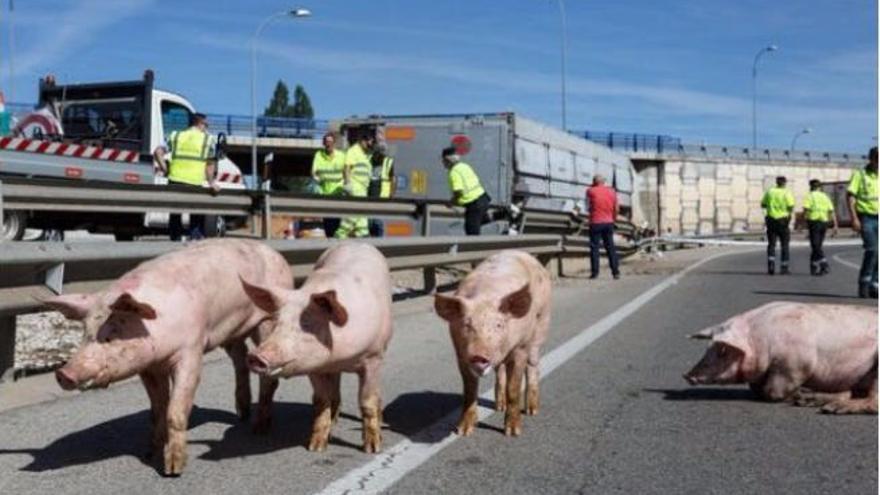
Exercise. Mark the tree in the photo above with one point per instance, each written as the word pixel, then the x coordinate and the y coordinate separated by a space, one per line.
pixel 279 105
pixel 302 105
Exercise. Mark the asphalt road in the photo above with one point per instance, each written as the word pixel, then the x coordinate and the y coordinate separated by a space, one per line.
pixel 616 417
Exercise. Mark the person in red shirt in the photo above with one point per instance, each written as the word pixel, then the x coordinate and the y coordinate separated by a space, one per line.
pixel 603 208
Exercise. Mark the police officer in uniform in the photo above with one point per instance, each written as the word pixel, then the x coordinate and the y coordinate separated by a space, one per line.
pixel 327 168
pixel 193 162
pixel 818 211
pixel 778 203
pixel 862 201
pixel 356 175
pixel 382 184
pixel 466 191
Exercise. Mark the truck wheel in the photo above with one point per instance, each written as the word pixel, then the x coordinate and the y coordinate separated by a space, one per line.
pixel 14 223
pixel 215 226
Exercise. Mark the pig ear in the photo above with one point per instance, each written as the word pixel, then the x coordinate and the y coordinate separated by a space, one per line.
pixel 735 335
pixel 705 334
pixel 329 304
pixel 72 306
pixel 450 308
pixel 126 303
pixel 263 297
pixel 517 303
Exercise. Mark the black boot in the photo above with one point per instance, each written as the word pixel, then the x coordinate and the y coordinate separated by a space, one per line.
pixel 814 269
pixel 784 270
pixel 824 268
pixel 771 267
pixel 864 290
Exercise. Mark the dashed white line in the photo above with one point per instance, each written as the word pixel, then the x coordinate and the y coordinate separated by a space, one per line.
pixel 393 464
pixel 844 262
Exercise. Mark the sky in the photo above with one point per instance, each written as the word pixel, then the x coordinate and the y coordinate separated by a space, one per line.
pixel 675 67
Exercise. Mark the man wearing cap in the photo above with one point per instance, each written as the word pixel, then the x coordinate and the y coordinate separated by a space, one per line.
pixel 193 162
pixel 466 191
pixel 818 211
pixel 862 202
pixel 778 203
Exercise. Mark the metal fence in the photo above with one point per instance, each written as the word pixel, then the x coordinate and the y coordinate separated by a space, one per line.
pixel 663 146
pixel 279 127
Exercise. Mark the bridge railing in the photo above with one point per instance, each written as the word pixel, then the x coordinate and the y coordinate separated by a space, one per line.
pixel 279 127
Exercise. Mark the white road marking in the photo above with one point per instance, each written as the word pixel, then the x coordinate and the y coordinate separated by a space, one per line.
pixel 844 262
pixel 394 463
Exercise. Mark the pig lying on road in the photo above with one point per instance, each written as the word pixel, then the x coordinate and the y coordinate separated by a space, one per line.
pixel 160 318
pixel 778 348
pixel 338 321
pixel 499 318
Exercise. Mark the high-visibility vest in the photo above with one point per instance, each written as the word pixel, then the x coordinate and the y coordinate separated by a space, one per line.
pixel 778 201
pixel 380 182
pixel 818 206
pixel 463 179
pixel 328 169
pixel 863 185
pixel 359 163
pixel 190 150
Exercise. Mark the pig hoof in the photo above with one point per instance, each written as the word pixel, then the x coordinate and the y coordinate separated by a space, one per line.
pixel 373 446
pixel 465 428
pixel 500 406
pixel 318 443
pixel 513 430
pixel 175 461
pixel 531 410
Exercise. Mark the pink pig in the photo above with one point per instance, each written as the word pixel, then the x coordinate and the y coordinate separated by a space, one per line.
pixel 777 348
pixel 159 319
pixel 499 318
pixel 338 321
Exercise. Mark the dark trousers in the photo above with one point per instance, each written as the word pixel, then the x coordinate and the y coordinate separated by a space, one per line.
pixel 377 228
pixel 868 271
pixel 777 228
pixel 817 232
pixel 605 233
pixel 474 213
pixel 330 226
pixel 196 227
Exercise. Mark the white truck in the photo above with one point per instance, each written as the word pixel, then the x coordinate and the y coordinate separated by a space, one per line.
pixel 100 131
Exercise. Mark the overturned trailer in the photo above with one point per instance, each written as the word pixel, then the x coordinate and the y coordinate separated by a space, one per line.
pixel 519 161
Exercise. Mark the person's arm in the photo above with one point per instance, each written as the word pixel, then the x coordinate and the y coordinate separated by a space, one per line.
pixel 159 160
pixel 314 172
pixel 393 181
pixel 616 206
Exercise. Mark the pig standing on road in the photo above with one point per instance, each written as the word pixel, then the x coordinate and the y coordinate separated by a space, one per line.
pixel 161 317
pixel 338 321
pixel 499 318
pixel 829 349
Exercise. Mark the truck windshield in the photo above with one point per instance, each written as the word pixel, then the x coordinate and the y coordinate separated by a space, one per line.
pixel 116 123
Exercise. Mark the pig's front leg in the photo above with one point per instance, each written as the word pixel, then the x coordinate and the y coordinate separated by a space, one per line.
pixel 237 351
pixel 184 380
pixel 322 402
pixel 809 398
pixel 516 364
pixel 501 387
pixel 157 386
pixel 268 386
pixel 335 397
pixel 533 377
pixel 469 404
pixel 371 405
pixel 780 385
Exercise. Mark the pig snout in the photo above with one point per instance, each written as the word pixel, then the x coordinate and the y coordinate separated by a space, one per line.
pixel 65 379
pixel 480 365
pixel 261 365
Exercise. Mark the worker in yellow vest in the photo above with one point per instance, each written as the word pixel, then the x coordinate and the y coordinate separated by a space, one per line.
pixel 862 202
pixel 382 184
pixel 778 203
pixel 356 176
pixel 818 211
pixel 193 162
pixel 327 172
pixel 466 191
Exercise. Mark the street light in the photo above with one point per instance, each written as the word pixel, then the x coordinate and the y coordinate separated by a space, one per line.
pixel 770 48
pixel 805 130
pixel 294 13
pixel 564 41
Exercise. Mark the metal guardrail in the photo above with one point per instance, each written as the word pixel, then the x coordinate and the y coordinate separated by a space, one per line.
pixel 34 271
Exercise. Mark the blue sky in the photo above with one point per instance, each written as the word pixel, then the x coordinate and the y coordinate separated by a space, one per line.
pixel 678 67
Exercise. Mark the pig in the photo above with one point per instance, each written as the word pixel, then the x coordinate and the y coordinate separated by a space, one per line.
pixel 828 349
pixel 338 321
pixel 498 319
pixel 158 320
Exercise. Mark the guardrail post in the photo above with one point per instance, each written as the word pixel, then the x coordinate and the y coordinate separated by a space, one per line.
pixel 7 347
pixel 423 213
pixel 267 215
pixel 430 275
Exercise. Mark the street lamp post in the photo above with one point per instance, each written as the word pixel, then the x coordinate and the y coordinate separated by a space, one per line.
pixel 805 130
pixel 294 13
pixel 564 41
pixel 770 48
